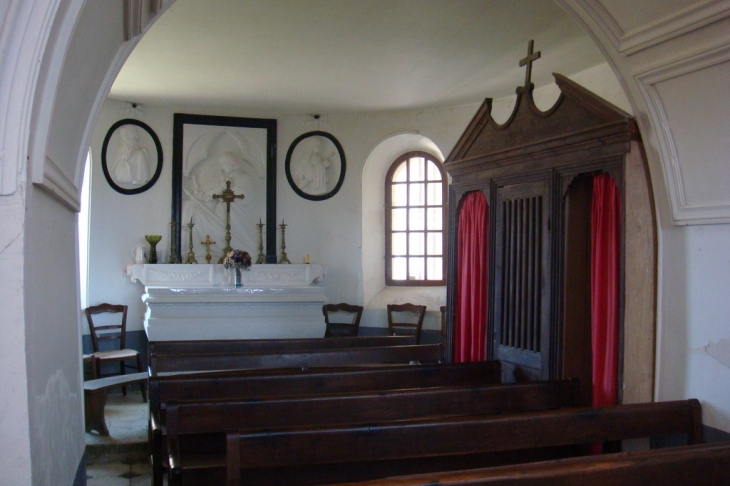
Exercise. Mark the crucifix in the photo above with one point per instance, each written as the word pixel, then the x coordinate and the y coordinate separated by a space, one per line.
pixel 227 196
pixel 528 61
pixel 207 244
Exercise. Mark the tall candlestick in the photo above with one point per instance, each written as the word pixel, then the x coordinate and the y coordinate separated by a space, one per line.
pixel 261 258
pixel 283 258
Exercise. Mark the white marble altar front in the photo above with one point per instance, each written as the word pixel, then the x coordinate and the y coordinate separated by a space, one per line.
pixel 196 302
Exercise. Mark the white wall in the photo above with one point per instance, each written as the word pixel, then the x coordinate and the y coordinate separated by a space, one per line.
pixel 345 232
pixel 118 222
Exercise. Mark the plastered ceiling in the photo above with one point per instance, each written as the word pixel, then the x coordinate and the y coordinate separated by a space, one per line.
pixel 335 56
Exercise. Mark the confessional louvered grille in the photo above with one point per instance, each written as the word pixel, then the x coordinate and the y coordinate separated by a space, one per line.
pixel 521 287
pixel 522 223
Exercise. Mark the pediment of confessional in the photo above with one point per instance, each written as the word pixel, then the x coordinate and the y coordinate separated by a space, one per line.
pixel 579 119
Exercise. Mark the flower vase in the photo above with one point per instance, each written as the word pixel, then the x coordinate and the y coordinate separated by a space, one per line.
pixel 237 277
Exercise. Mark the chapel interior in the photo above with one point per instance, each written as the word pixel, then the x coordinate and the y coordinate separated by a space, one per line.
pixel 248 93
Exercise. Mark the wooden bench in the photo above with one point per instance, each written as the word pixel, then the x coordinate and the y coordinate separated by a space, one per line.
pixel 327 455
pixel 196 430
pixel 423 353
pixel 95 395
pixel 231 346
pixel 706 464
pixel 277 383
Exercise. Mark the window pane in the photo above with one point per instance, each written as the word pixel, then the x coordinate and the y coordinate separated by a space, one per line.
pixel 416 219
pixel 435 243
pixel 417 196
pixel 398 269
pixel 416 269
pixel 400 174
pixel 434 174
pixel 399 244
pixel 398 219
pixel 418 169
pixel 399 195
pixel 435 194
pixel 416 244
pixel 435 268
pixel 434 221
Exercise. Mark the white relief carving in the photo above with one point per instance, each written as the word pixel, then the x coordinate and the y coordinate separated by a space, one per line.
pixel 212 156
pixel 313 161
pixel 132 162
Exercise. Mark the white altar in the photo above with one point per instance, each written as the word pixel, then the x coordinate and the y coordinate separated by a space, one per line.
pixel 196 302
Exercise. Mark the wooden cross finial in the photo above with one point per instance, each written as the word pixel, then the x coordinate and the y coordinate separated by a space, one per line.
pixel 528 61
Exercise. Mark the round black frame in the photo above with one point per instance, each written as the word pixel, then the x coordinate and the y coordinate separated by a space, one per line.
pixel 343 166
pixel 105 145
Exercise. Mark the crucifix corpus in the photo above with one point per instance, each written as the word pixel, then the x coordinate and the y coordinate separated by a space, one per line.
pixel 227 196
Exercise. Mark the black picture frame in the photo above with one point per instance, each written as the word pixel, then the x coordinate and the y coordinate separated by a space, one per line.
pixel 132 187
pixel 340 167
pixel 180 120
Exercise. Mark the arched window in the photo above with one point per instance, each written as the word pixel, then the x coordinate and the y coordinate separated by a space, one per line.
pixel 415 221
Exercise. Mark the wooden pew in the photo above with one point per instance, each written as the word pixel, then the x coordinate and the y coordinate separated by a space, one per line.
pixel 327 455
pixel 288 382
pixel 229 346
pixel 196 430
pixel 424 353
pixel 703 464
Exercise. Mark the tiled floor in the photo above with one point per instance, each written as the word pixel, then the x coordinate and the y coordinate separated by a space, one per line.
pixel 121 458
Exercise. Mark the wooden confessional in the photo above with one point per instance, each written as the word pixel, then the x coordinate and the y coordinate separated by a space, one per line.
pixel 535 171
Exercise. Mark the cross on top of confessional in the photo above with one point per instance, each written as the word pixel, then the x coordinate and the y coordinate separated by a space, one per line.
pixel 527 61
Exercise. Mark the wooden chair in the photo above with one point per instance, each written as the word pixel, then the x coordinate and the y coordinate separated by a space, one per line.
pixel 406 320
pixel 342 329
pixel 112 332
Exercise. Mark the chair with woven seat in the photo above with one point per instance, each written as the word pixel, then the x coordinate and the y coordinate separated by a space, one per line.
pixel 116 332
pixel 406 320
pixel 339 312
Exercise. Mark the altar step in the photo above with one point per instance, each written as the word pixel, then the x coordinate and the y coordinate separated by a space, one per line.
pixel 124 454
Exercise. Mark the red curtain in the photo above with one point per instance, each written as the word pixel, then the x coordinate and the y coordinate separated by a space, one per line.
pixel 470 317
pixel 605 266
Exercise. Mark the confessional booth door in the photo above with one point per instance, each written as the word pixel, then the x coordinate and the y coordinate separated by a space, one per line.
pixel 521 279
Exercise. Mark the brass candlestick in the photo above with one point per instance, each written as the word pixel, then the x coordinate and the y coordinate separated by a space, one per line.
pixel 261 258
pixel 207 244
pixel 283 258
pixel 191 253
pixel 173 244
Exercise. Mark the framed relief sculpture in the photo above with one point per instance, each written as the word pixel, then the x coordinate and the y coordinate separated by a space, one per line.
pixel 209 152
pixel 315 165
pixel 131 157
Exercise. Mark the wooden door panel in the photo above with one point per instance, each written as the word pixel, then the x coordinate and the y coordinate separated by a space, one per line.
pixel 521 279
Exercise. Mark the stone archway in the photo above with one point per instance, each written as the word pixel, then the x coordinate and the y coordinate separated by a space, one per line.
pixel 61 58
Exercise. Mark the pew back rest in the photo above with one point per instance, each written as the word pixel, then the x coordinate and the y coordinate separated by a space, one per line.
pixel 423 353
pixel 235 346
pixel 277 382
pixel 198 417
pixel 678 466
pixel 461 435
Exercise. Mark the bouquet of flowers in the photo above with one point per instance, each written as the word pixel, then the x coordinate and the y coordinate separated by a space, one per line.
pixel 237 258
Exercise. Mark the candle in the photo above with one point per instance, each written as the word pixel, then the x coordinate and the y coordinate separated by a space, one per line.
pixel 306 258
